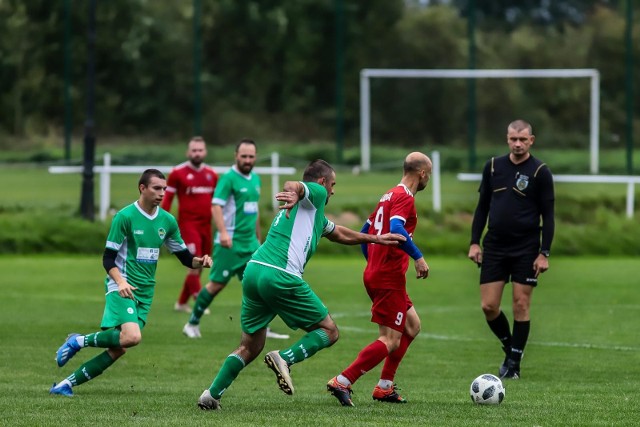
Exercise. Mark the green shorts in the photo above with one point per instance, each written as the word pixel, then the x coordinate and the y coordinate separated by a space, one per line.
pixel 268 292
pixel 119 310
pixel 228 263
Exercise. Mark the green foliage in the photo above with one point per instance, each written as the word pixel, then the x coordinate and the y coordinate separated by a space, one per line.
pixel 567 371
pixel 28 232
pixel 268 69
pixel 38 212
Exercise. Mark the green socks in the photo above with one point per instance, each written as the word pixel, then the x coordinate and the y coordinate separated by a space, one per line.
pixel 104 339
pixel 202 302
pixel 91 369
pixel 306 347
pixel 227 374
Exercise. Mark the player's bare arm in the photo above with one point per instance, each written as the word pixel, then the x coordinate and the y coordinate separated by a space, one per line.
pixel 218 219
pixel 347 236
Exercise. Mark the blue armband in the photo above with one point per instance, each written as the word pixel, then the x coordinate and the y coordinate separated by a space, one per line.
pixel 363 246
pixel 397 226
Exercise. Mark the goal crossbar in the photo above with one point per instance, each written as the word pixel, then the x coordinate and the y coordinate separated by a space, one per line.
pixel 368 73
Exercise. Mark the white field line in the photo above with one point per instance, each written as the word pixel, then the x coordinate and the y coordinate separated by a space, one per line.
pixel 426 335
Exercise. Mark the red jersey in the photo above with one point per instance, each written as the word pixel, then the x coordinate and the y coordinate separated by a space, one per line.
pixel 387 265
pixel 194 188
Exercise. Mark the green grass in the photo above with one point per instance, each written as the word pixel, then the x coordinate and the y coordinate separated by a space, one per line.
pixel 581 367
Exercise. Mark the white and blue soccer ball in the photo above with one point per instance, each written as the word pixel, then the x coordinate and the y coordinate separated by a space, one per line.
pixel 487 389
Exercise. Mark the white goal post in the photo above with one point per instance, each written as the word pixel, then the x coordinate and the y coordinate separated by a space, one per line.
pixel 564 73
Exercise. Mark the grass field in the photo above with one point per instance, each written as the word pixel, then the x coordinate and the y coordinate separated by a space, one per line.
pixel 582 363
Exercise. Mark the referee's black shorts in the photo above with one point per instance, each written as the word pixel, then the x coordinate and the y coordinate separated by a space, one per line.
pixel 501 263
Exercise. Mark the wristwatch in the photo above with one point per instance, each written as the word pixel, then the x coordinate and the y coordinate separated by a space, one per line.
pixel 545 253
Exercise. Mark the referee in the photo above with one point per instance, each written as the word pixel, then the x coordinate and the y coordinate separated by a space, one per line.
pixel 516 192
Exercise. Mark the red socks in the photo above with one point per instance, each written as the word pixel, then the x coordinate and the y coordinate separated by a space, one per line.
pixel 368 358
pixel 191 287
pixel 391 364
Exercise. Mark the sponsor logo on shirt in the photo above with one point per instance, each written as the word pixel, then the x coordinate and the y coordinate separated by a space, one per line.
pixel 199 190
pixel 250 207
pixel 138 232
pixel 148 255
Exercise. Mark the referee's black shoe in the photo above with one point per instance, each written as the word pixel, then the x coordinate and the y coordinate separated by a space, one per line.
pixel 513 371
pixel 504 367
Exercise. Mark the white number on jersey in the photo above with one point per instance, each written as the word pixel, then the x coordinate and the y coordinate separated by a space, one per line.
pixel 378 221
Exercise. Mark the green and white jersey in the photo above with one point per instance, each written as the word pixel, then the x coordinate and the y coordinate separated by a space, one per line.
pixel 238 194
pixel 138 236
pixel 292 241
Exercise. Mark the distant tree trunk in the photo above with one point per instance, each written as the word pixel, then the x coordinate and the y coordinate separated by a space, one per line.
pixel 18 113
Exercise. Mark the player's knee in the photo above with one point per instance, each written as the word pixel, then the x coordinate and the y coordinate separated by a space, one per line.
pixel 332 333
pixel 490 309
pixel 130 339
pixel 414 330
pixel 214 288
pixel 521 308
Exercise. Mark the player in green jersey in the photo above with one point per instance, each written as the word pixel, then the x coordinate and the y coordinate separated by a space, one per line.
pixel 273 284
pixel 235 213
pixel 130 258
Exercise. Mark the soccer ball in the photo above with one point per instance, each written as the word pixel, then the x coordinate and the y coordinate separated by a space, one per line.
pixel 487 389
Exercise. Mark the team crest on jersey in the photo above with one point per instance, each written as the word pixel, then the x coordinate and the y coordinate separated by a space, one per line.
pixel 522 182
pixel 162 233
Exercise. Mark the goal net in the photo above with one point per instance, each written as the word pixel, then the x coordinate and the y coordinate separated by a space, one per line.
pixel 368 73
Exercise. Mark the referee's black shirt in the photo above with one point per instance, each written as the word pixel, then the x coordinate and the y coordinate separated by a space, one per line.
pixel 515 198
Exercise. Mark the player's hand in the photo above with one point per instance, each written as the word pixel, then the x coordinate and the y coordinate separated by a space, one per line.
pixel 422 268
pixel 541 264
pixel 225 240
pixel 390 239
pixel 475 254
pixel 125 290
pixel 204 261
pixel 290 198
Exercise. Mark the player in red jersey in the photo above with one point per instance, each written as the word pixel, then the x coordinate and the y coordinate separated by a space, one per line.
pixel 385 282
pixel 193 182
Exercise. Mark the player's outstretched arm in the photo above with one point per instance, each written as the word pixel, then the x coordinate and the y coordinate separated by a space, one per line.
pixel 347 236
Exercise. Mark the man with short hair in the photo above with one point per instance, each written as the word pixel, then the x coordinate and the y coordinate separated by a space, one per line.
pixel 516 192
pixel 273 284
pixel 194 183
pixel 236 215
pixel 130 258
pixel 385 281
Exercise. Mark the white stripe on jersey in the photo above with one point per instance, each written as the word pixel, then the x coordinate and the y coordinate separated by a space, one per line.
pixel 276 267
pixel 301 235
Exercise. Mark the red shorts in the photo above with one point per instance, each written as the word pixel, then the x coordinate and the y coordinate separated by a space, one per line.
pixel 389 307
pixel 197 237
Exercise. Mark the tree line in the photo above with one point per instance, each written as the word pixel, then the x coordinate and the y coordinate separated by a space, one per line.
pixel 269 68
